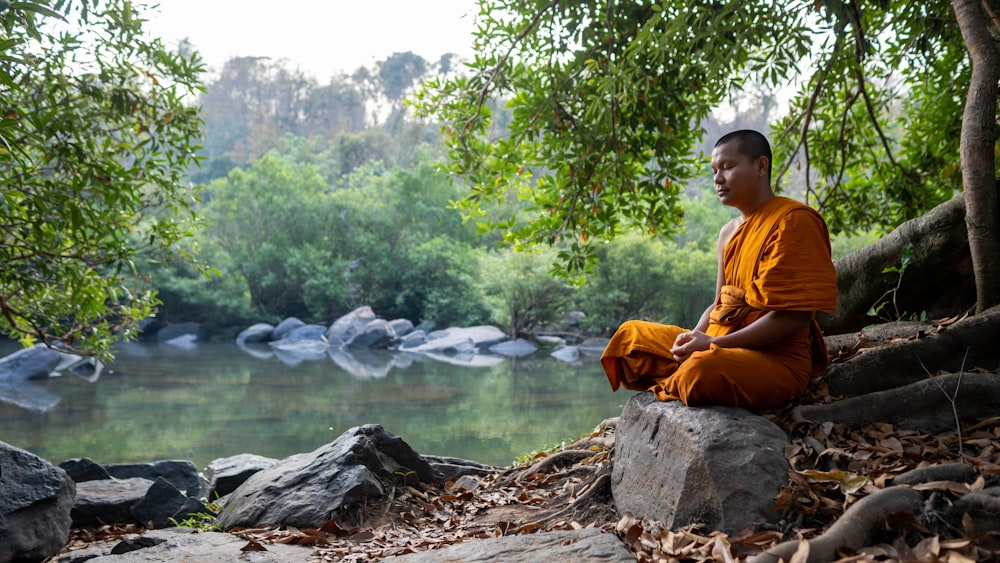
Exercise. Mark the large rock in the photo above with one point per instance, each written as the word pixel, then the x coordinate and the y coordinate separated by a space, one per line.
pixel 260 332
pixel 580 546
pixel 720 466
pixel 173 545
pixel 457 344
pixel 460 341
pixel 401 327
pixel 350 324
pixel 225 474
pixel 566 354
pixel 27 395
pixel 108 501
pixel 180 331
pixel 378 333
pixel 180 473
pixel 164 505
pixel 307 332
pixel 286 326
pixel 84 469
pixel 36 362
pixel 514 348
pixel 307 490
pixel 35 501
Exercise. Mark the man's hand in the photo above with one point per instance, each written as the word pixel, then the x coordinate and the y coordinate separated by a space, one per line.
pixel 688 343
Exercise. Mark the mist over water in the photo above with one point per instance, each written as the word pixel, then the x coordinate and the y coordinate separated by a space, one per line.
pixel 214 400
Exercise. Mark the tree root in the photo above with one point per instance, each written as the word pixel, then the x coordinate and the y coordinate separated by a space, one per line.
pixel 958 472
pixel 966 344
pixel 596 487
pixel 850 530
pixel 546 463
pixel 923 405
pixel 983 507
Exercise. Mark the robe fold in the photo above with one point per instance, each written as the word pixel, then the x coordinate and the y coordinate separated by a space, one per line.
pixel 778 259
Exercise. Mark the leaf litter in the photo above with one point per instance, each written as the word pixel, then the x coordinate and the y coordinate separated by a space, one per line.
pixel 831 468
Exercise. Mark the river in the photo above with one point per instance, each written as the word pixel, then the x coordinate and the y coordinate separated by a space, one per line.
pixel 213 400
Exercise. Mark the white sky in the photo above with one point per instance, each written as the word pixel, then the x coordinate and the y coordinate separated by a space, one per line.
pixel 322 37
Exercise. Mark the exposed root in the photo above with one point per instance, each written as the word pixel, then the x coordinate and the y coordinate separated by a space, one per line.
pixel 850 530
pixel 958 472
pixel 548 462
pixel 916 406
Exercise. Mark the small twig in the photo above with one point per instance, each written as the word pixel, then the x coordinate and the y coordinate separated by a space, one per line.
pixel 952 397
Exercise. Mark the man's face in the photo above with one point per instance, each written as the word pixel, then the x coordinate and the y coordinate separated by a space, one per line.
pixel 737 178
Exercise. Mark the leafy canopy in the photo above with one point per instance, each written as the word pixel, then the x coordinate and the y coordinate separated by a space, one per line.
pixel 95 139
pixel 607 100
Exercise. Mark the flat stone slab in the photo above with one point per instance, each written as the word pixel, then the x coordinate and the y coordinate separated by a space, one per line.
pixel 181 544
pixel 579 546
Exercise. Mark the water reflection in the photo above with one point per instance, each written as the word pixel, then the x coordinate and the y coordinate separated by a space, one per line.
pixel 216 399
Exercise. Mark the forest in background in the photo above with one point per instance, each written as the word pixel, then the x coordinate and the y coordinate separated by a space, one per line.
pixel 323 197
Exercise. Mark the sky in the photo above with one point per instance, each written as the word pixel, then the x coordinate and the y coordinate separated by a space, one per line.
pixel 322 37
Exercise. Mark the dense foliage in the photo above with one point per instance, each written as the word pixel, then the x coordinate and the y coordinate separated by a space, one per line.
pixel 608 100
pixel 320 223
pixel 96 136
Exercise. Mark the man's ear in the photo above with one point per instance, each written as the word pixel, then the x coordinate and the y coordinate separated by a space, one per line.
pixel 762 163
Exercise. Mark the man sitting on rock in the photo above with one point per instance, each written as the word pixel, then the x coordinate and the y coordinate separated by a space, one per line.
pixel 758 345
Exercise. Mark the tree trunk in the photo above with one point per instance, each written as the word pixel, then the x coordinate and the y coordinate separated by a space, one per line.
pixel 977 148
pixel 938 280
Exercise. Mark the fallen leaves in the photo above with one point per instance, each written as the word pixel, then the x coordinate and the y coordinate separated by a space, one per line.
pixel 832 467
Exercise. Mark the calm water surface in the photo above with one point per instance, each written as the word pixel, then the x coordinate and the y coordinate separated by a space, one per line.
pixel 215 400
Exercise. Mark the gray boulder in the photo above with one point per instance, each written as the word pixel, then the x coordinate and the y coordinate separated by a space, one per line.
pixel 183 331
pixel 566 354
pixel 260 332
pixel 36 362
pixel 286 326
pixel 483 336
pixel 412 339
pixel 514 348
pixel 307 332
pixel 580 546
pixel 27 395
pixel 108 501
pixel 163 504
pixel 173 545
pixel 401 327
pixel 84 469
pixel 307 490
pixel 184 341
pixel 377 333
pixel 720 466
pixel 36 498
pixel 350 324
pixel 225 474
pixel 179 473
pixel 457 344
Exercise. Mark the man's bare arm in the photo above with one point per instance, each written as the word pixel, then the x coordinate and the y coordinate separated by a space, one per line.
pixel 771 328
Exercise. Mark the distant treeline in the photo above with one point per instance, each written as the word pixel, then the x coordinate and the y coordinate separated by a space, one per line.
pixel 320 198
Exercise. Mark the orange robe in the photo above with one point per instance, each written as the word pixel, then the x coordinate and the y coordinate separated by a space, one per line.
pixel 778 259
